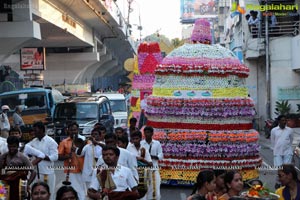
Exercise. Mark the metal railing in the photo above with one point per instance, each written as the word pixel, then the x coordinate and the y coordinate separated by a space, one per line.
pixel 284 28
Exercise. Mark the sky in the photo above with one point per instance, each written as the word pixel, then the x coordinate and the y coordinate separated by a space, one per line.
pixel 156 15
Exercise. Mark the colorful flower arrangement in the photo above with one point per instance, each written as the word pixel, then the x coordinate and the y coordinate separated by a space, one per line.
pixel 259 191
pixel 208 102
pixel 143 81
pixel 219 112
pixel 188 53
pixel 190 163
pixel 198 83
pixel 201 32
pixel 216 92
pixel 182 125
pixel 218 70
pixel 3 191
pixel 209 150
pixel 211 136
pixel 148 57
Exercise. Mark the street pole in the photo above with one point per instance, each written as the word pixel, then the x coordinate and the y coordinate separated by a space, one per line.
pixel 268 75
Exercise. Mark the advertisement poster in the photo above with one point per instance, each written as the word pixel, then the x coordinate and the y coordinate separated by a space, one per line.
pixel 33 59
pixel 194 9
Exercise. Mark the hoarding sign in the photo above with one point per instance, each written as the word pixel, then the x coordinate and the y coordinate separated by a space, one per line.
pixel 33 59
pixel 194 9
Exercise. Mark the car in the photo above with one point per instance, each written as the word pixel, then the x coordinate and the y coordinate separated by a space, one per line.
pixel 86 111
pixel 119 108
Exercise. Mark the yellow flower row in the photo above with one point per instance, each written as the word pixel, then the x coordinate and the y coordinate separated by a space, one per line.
pixel 216 93
pixel 190 175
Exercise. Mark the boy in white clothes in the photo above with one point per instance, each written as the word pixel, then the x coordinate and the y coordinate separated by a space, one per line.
pixel 91 153
pixel 126 158
pixel 156 153
pixel 144 162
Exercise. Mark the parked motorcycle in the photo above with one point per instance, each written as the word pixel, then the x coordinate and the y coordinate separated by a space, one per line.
pixel 269 125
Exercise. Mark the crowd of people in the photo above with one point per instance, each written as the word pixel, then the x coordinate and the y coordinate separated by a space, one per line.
pixel 119 166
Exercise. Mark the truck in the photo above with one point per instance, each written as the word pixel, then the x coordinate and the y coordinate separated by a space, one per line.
pixel 38 104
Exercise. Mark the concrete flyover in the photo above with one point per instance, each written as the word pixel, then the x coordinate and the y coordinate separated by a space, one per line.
pixel 83 39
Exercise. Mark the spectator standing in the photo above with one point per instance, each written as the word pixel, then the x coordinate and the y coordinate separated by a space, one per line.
pixel 17 118
pixel 48 146
pixel 156 153
pixel 73 164
pixel 281 141
pixel 4 122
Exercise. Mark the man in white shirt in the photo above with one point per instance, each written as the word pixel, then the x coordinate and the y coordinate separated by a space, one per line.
pixel 4 122
pixel 282 140
pixel 126 159
pixel 91 153
pixel 48 146
pixel 156 153
pixel 112 178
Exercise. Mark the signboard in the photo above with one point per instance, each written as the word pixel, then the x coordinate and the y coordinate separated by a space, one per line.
pixel 33 59
pixel 288 93
pixel 194 9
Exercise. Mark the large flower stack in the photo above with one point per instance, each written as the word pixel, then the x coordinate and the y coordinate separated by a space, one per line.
pixel 149 55
pixel 201 111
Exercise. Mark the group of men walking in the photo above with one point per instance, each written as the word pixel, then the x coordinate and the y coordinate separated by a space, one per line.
pixel 95 167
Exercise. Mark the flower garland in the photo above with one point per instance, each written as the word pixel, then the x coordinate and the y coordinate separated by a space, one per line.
pixel 152 47
pixel 210 150
pixel 204 135
pixel 143 81
pixel 248 163
pixel 3 191
pixel 196 102
pixel 203 70
pixel 197 126
pixel 200 51
pixel 220 112
pixel 200 120
pixel 233 92
pixel 198 83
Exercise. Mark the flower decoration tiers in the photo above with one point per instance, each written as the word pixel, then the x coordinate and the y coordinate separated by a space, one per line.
pixel 243 163
pixel 201 32
pixel 200 109
pixel 211 136
pixel 198 83
pixel 209 150
pixel 196 126
pixel 208 103
pixel 213 93
pixel 143 81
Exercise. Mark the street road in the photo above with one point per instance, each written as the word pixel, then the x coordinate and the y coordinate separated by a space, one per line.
pixel 267 175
